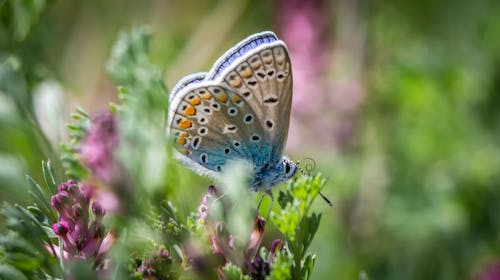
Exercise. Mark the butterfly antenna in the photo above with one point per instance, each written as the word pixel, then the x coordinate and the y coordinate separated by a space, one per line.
pixel 310 165
pixel 326 199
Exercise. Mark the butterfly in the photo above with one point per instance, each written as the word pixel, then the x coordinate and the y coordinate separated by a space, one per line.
pixel 239 110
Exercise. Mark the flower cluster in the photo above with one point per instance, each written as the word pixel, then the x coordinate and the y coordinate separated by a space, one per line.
pixel 227 246
pixel 157 266
pixel 260 268
pixel 83 236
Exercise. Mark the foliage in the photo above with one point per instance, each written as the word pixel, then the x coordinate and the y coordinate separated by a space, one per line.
pixel 397 102
pixel 28 247
pixel 297 224
pixel 109 160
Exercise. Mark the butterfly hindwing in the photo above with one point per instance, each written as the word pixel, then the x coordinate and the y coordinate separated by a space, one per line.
pixel 212 124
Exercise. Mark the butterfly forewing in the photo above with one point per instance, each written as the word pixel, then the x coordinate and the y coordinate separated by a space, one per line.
pixel 212 124
pixel 263 78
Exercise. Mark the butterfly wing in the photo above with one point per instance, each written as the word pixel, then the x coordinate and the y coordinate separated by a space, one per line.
pixel 212 124
pixel 184 82
pixel 259 70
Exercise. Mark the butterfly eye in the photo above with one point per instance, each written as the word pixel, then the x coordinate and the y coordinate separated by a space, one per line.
pixel 289 168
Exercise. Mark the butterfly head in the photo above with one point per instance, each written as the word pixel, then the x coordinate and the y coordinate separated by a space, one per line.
pixel 268 176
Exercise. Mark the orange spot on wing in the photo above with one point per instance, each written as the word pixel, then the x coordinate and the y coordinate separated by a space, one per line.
pixel 235 83
pixel 181 141
pixel 185 124
pixel 222 97
pixel 190 110
pixel 246 73
pixel 256 66
pixel 206 96
pixel 195 101
pixel 184 151
pixel 236 99
pixel 182 138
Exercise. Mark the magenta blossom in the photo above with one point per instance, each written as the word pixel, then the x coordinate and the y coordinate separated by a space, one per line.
pixel 489 271
pixel 98 146
pixel 83 235
pixel 231 249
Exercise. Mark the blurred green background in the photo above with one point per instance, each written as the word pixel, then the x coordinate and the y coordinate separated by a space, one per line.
pixel 396 101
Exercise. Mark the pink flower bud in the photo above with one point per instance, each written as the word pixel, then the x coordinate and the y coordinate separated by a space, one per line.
pixel 61 227
pixel 97 209
pixel 86 193
pixel 65 185
pixel 277 245
pixel 77 211
pixel 255 237
pixel 56 202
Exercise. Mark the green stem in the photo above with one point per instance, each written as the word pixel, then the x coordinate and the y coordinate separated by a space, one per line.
pixel 61 257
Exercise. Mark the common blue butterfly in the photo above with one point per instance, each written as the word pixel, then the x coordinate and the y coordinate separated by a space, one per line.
pixel 238 110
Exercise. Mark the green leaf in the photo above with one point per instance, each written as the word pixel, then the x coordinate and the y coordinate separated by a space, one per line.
pixel 21 16
pixel 12 243
pixel 308 266
pixel 50 232
pixel 284 198
pixel 287 221
pixel 143 112
pixel 82 113
pixel 9 272
pixel 48 175
pixel 233 272
pixel 41 200
pixel 37 213
pixel 281 268
pixel 312 225
pixel 69 156
pixel 294 221
pixel 23 261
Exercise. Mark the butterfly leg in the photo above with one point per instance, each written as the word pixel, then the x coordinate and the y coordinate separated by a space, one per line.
pixel 270 193
pixel 260 201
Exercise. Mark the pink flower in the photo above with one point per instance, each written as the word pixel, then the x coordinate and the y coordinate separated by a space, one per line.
pixel 98 146
pixel 83 236
pixel 490 271
pixel 229 247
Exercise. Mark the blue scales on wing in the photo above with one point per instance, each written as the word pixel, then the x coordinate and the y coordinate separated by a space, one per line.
pixel 263 77
pixel 212 124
